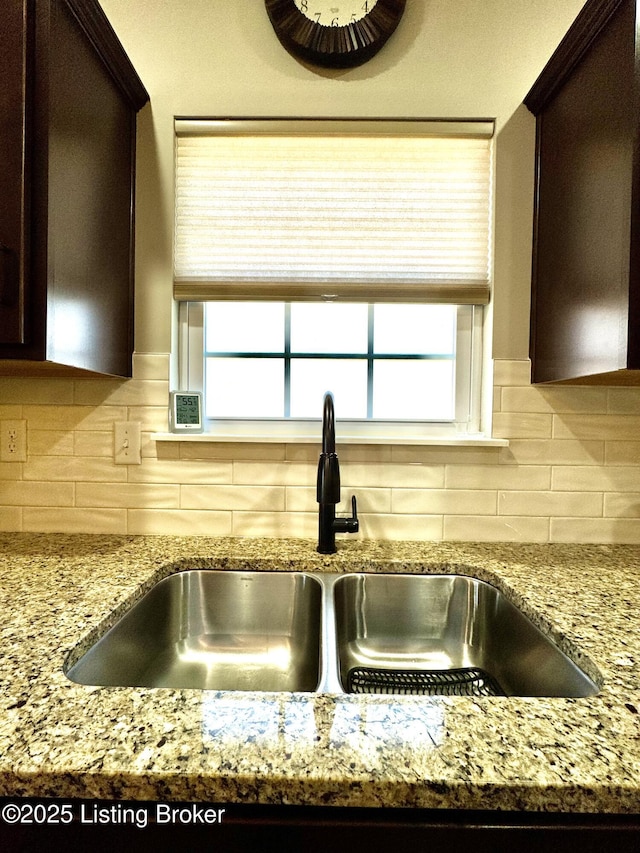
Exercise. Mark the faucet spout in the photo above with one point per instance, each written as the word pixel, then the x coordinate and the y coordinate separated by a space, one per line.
pixel 328 486
pixel 328 425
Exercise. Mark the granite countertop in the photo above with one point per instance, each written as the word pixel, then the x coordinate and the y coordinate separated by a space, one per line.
pixel 62 739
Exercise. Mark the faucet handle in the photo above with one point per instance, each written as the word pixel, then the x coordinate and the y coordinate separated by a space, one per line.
pixel 348 525
pixel 328 485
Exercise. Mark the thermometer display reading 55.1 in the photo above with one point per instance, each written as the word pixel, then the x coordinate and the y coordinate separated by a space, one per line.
pixel 186 411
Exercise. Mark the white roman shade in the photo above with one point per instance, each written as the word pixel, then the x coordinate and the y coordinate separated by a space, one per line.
pixel 385 211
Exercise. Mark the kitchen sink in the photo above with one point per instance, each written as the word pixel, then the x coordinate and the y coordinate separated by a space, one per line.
pixel 444 634
pixel 320 632
pixel 215 630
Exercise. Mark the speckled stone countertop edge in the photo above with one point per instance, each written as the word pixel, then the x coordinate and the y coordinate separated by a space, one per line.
pixel 540 755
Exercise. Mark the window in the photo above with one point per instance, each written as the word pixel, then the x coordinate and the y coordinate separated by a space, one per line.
pixel 384 363
pixel 352 257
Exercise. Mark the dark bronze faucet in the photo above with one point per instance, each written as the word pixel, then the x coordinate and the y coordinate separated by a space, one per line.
pixel 328 490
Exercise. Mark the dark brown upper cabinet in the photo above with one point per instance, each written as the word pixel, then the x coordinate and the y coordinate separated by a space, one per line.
pixel 585 310
pixel 68 103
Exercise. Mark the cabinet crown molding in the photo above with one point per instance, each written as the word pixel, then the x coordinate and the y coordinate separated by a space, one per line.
pixel 96 26
pixel 594 16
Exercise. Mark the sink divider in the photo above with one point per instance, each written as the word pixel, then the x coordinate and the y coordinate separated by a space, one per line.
pixel 329 664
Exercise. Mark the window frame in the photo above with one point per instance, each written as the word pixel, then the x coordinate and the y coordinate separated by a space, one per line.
pixel 473 355
pixel 468 384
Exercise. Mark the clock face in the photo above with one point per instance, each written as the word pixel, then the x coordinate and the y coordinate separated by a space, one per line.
pixel 334 33
pixel 335 13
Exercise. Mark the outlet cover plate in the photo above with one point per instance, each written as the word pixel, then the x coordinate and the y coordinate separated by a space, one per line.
pixel 13 441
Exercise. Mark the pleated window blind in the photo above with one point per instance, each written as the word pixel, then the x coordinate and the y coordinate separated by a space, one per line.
pixel 360 211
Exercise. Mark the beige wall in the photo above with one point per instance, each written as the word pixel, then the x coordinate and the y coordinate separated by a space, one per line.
pixel 448 59
pixel 572 469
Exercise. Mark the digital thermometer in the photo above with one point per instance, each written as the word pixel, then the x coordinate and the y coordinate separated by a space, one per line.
pixel 185 411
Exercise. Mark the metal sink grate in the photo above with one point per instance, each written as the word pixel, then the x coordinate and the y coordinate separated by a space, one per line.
pixel 451 682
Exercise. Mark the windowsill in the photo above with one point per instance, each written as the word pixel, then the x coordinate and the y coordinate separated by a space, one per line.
pixel 460 440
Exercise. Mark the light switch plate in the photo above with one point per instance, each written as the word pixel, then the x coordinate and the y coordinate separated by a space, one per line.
pixel 126 443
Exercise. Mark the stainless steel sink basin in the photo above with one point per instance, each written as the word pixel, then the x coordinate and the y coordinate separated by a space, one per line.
pixel 444 634
pixel 308 632
pixel 219 630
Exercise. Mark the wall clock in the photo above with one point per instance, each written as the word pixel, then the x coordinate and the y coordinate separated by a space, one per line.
pixel 334 33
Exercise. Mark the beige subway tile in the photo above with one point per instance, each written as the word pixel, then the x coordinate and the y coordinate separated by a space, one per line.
pixel 542 503
pixel 498 477
pixel 594 479
pixel 181 472
pixel 280 473
pixel 166 522
pixel 368 454
pixel 119 392
pixel 74 520
pixel 281 525
pixel 622 452
pixel 305 453
pixel 522 425
pixel 94 443
pixel 95 391
pixel 300 499
pixel 148 445
pixel 127 495
pixel 10 519
pixel 74 417
pixel 393 476
pixel 24 493
pixel 368 500
pixel 9 413
pixel 440 501
pixel 604 427
pixel 511 371
pixel 11 471
pixel 232 451
pixel 36 391
pixel 624 401
pixel 624 531
pixel 496 529
pixel 148 449
pixel 561 399
pixel 394 527
pixel 152 419
pixel 553 452
pixel 248 498
pixel 74 469
pixel 50 442
pixel 151 365
pixel 165 450
pixel 622 505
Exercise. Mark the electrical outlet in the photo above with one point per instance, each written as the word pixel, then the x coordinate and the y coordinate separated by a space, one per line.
pixel 13 441
pixel 126 443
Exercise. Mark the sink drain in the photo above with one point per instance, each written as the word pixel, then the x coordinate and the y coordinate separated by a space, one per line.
pixel 451 682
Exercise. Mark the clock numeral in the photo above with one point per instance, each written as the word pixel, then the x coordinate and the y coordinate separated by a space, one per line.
pixel 334 15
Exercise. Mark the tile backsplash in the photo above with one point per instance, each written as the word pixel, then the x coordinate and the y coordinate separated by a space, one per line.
pixel 571 472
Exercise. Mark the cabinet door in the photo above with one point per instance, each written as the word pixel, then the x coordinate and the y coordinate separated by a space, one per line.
pixel 90 151
pixel 14 37
pixel 586 283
